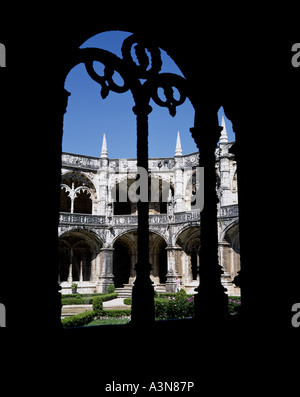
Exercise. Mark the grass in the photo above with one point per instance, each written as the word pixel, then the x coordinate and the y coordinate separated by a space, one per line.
pixel 110 320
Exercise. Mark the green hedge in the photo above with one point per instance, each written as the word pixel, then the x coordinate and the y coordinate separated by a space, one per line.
pixel 127 301
pixel 98 306
pixel 117 313
pixel 87 300
pixel 178 306
pixel 181 305
pixel 79 320
pixel 173 305
pixel 77 295
pixel 166 295
pixel 234 303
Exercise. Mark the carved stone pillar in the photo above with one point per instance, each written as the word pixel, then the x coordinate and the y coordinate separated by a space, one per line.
pixel 226 276
pixel 96 268
pixel 70 278
pixel 211 302
pixel 107 276
pixel 81 269
pixel 93 270
pixel 172 253
pixel 142 311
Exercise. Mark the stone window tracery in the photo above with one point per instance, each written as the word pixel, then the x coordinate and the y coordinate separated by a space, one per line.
pixel 77 194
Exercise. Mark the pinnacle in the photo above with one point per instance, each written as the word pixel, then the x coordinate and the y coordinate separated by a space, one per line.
pixel 224 136
pixel 178 150
pixel 104 147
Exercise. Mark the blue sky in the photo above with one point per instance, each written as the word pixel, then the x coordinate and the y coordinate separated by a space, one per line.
pixel 88 116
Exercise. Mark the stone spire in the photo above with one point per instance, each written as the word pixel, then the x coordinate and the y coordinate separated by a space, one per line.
pixel 104 148
pixel 224 136
pixel 178 177
pixel 178 150
pixel 224 167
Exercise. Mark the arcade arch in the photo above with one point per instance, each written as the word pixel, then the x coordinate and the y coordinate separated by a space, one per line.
pixel 189 241
pixel 77 254
pixel 231 235
pixel 230 249
pixel 125 258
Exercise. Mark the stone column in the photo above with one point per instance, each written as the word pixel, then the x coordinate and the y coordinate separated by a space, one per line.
pixel 211 302
pixel 142 311
pixel 70 278
pixel 81 269
pixel 93 270
pixel 223 255
pixel 172 274
pixel 96 268
pixel 106 278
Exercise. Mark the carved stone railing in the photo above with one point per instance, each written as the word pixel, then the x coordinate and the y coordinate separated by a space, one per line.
pixel 133 219
pixel 122 220
pixel 82 219
pixel 78 161
pixel 187 216
pixel 229 211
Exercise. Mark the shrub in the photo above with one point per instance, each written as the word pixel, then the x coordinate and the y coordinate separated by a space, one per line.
pixel 98 306
pixel 79 320
pixel 234 303
pixel 181 293
pixel 127 301
pixel 110 289
pixel 70 301
pixel 85 299
pixel 117 313
pixel 109 297
pixel 178 306
pixel 161 309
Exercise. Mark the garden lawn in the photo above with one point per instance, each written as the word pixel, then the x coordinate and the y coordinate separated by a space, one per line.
pixel 107 321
